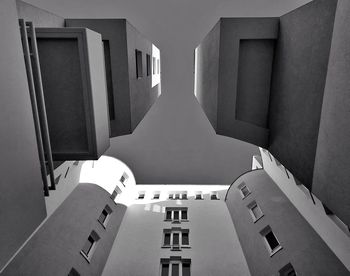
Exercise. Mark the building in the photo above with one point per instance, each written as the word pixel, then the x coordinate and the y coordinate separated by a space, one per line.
pixel 271 82
pixel 96 219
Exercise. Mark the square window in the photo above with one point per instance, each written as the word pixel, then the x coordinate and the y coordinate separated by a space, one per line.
pixel 199 196
pixel 156 196
pixel 184 196
pixel 139 72
pixel 171 196
pixel 141 196
pixel 271 241
pixel 214 196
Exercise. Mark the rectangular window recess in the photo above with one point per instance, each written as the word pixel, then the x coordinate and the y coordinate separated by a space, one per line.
pixel 271 242
pixel 176 238
pixel 287 270
pixel 105 215
pixel 138 57
pixel 255 211
pixel 244 190
pixel 90 246
pixel 175 266
pixel 141 195
pixel 199 196
pixel 176 214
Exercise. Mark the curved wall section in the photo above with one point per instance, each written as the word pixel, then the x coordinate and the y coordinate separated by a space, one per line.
pixel 299 245
pixel 56 248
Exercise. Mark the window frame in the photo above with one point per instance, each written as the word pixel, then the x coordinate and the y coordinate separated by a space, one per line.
pixel 250 207
pixel 141 195
pixel 214 194
pixel 264 233
pixel 107 217
pixel 200 194
pixel 241 187
pixel 174 260
pixel 88 255
pixel 172 210
pixel 148 65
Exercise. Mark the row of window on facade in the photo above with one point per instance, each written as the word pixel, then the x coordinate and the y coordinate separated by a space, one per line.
pixel 139 66
pixel 91 243
pixel 270 239
pixel 180 195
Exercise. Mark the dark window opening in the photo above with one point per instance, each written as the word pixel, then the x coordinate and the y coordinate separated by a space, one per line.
pixel 139 72
pixel 109 80
pixel 148 64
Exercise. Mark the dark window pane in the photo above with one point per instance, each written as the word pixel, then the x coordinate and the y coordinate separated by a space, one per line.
pixel 177 196
pixel 186 271
pixel 185 240
pixel 175 270
pixel 176 239
pixel 114 195
pixel 165 269
pixel 141 196
pixel 109 81
pixel 139 72
pixel 176 215
pixel 245 190
pixel 213 197
pixel 198 196
pixel 170 196
pixel 167 239
pixel 184 214
pixel 168 214
pixel 271 239
pixel 156 196
pixel 103 216
pixel 256 211
pixel 73 272
pixel 148 61
pixel 184 196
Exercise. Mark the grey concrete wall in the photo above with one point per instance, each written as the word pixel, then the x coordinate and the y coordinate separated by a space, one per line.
pixel 56 247
pixel 22 205
pixel 39 17
pixel 299 77
pixel 302 247
pixel 142 95
pixel 207 73
pixel 114 30
pixel 331 171
pixel 254 78
pixel 233 30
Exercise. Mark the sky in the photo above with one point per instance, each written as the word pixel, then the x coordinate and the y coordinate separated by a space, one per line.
pixel 175 142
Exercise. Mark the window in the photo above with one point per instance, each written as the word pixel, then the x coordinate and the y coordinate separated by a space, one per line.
pixel 154 65
pixel 89 246
pixel 141 195
pixel 124 178
pixel 116 192
pixel 148 63
pixel 214 196
pixel 156 195
pixel 178 195
pixel 287 270
pixel 158 66
pixel 199 195
pixel 105 215
pixel 176 214
pixel 73 272
pixel 176 238
pixel 139 73
pixel 255 211
pixel 175 266
pixel 271 241
pixel 244 190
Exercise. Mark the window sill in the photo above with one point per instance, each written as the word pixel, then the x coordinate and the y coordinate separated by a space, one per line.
pixel 243 197
pixel 279 248
pixel 255 220
pixel 85 257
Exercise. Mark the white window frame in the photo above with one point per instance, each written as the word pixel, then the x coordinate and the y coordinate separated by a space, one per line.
pixel 264 233
pixel 241 187
pixel 251 206
pixel 174 260
pixel 179 231
pixel 88 255
pixel 178 209
pixel 178 195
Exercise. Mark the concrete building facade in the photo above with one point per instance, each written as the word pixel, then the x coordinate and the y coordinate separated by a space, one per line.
pixel 263 81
